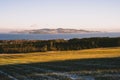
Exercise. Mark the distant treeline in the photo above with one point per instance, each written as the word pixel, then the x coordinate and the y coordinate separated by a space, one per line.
pixel 25 46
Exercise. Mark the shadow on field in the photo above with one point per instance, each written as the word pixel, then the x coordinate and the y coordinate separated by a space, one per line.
pixel 104 68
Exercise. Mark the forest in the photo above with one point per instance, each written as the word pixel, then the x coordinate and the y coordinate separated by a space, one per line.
pixel 26 46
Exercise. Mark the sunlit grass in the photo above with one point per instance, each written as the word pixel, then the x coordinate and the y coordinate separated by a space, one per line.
pixel 6 59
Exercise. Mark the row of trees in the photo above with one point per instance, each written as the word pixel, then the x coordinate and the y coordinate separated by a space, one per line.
pixel 25 46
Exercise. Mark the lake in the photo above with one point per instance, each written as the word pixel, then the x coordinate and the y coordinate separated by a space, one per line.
pixel 55 36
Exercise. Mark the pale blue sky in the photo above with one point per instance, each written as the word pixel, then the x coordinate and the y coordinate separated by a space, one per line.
pixel 79 14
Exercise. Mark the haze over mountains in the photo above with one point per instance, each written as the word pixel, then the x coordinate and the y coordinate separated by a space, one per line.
pixel 53 31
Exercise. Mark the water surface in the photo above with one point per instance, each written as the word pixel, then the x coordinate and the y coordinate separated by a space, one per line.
pixel 55 36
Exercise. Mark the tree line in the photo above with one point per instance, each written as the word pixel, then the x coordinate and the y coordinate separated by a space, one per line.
pixel 26 46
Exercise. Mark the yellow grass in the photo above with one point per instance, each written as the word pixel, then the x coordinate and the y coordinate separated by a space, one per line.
pixel 6 59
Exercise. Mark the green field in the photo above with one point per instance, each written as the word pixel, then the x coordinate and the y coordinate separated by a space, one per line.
pixel 90 64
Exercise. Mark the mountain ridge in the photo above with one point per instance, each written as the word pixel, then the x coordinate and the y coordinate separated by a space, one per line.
pixel 54 31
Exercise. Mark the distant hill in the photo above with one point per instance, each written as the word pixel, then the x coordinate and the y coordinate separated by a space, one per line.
pixel 53 31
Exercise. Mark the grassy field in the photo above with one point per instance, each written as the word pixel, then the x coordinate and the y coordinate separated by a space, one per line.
pixel 90 64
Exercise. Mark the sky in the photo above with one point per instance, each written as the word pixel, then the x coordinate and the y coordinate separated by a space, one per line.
pixel 97 15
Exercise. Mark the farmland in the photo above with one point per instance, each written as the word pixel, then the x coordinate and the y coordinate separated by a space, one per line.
pixel 88 64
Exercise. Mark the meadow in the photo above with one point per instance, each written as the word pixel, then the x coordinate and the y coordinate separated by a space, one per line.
pixel 87 64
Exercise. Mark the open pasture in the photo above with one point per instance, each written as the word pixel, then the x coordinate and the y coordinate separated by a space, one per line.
pixel 90 64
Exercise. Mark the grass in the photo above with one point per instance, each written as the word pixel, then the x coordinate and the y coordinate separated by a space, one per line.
pixel 6 59
pixel 90 64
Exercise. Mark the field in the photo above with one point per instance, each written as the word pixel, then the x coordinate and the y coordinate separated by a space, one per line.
pixel 90 64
